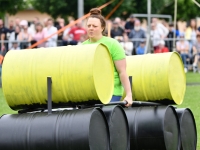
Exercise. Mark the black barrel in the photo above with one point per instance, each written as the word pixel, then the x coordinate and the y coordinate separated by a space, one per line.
pixel 153 128
pixel 187 128
pixel 118 127
pixel 66 130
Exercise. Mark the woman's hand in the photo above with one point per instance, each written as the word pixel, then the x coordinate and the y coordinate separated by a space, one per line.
pixel 129 100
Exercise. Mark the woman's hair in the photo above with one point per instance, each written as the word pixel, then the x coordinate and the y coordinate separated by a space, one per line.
pixel 96 13
pixel 195 26
pixel 38 24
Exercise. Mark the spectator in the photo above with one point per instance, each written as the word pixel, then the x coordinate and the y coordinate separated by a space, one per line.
pixel 190 33
pixel 159 26
pixel 52 41
pixel 17 22
pixel 11 26
pixel 182 46
pixel 82 39
pixel 177 31
pixel 140 50
pixel 24 36
pixel 170 35
pixel 15 46
pixel 45 22
pixel 116 30
pixel 3 37
pixel 120 22
pixel 32 29
pixel 161 48
pixel 196 53
pixel 127 45
pixel 129 24
pixel 156 35
pixel 39 35
pixel 14 36
pixel 136 33
pixel 68 38
pixel 60 26
pixel 77 32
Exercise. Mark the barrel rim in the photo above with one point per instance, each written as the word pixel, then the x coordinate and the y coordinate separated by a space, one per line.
pixel 112 63
pixel 182 66
pixel 126 120
pixel 112 107
pixel 106 123
pixel 178 125
pixel 189 110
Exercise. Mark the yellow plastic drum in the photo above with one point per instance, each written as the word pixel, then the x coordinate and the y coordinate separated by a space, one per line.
pixel 157 77
pixel 79 74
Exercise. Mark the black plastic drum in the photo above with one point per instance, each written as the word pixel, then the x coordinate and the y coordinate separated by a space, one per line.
pixel 118 126
pixel 153 128
pixel 187 128
pixel 65 130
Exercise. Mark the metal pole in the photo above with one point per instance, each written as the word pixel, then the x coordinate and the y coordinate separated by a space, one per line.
pixel 175 14
pixel 149 16
pixel 148 43
pixel 80 8
pixel 49 95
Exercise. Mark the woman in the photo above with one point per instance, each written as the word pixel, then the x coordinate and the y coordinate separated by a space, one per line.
pixel 182 46
pixel 190 33
pixel 196 54
pixel 39 35
pixel 95 27
pixel 24 35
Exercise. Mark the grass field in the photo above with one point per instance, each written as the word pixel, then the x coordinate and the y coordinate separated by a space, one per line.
pixel 191 100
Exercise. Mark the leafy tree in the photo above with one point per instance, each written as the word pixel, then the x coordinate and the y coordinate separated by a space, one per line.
pixel 64 8
pixel 186 9
pixel 11 6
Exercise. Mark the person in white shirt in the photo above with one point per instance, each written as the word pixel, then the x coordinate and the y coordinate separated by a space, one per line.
pixel 156 35
pixel 164 31
pixel 52 41
pixel 127 45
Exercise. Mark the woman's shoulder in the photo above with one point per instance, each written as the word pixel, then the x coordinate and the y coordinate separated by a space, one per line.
pixel 109 39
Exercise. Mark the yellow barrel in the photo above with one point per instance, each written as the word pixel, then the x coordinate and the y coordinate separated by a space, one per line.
pixel 157 77
pixel 79 74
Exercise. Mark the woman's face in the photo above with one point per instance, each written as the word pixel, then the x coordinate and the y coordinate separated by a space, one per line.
pixel 193 23
pixel 38 27
pixel 94 28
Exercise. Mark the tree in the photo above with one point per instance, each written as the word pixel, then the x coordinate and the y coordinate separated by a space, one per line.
pixel 11 6
pixel 64 8
pixel 186 9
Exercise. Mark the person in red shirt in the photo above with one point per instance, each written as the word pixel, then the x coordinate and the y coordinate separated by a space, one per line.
pixel 161 48
pixel 77 32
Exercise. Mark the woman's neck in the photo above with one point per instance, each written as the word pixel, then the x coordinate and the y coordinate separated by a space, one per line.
pixel 93 40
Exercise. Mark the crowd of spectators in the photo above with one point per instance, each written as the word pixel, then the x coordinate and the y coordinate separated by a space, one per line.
pixel 131 33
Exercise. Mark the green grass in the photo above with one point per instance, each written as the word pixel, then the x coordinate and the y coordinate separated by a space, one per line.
pixel 191 100
pixel 192 77
pixel 4 108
